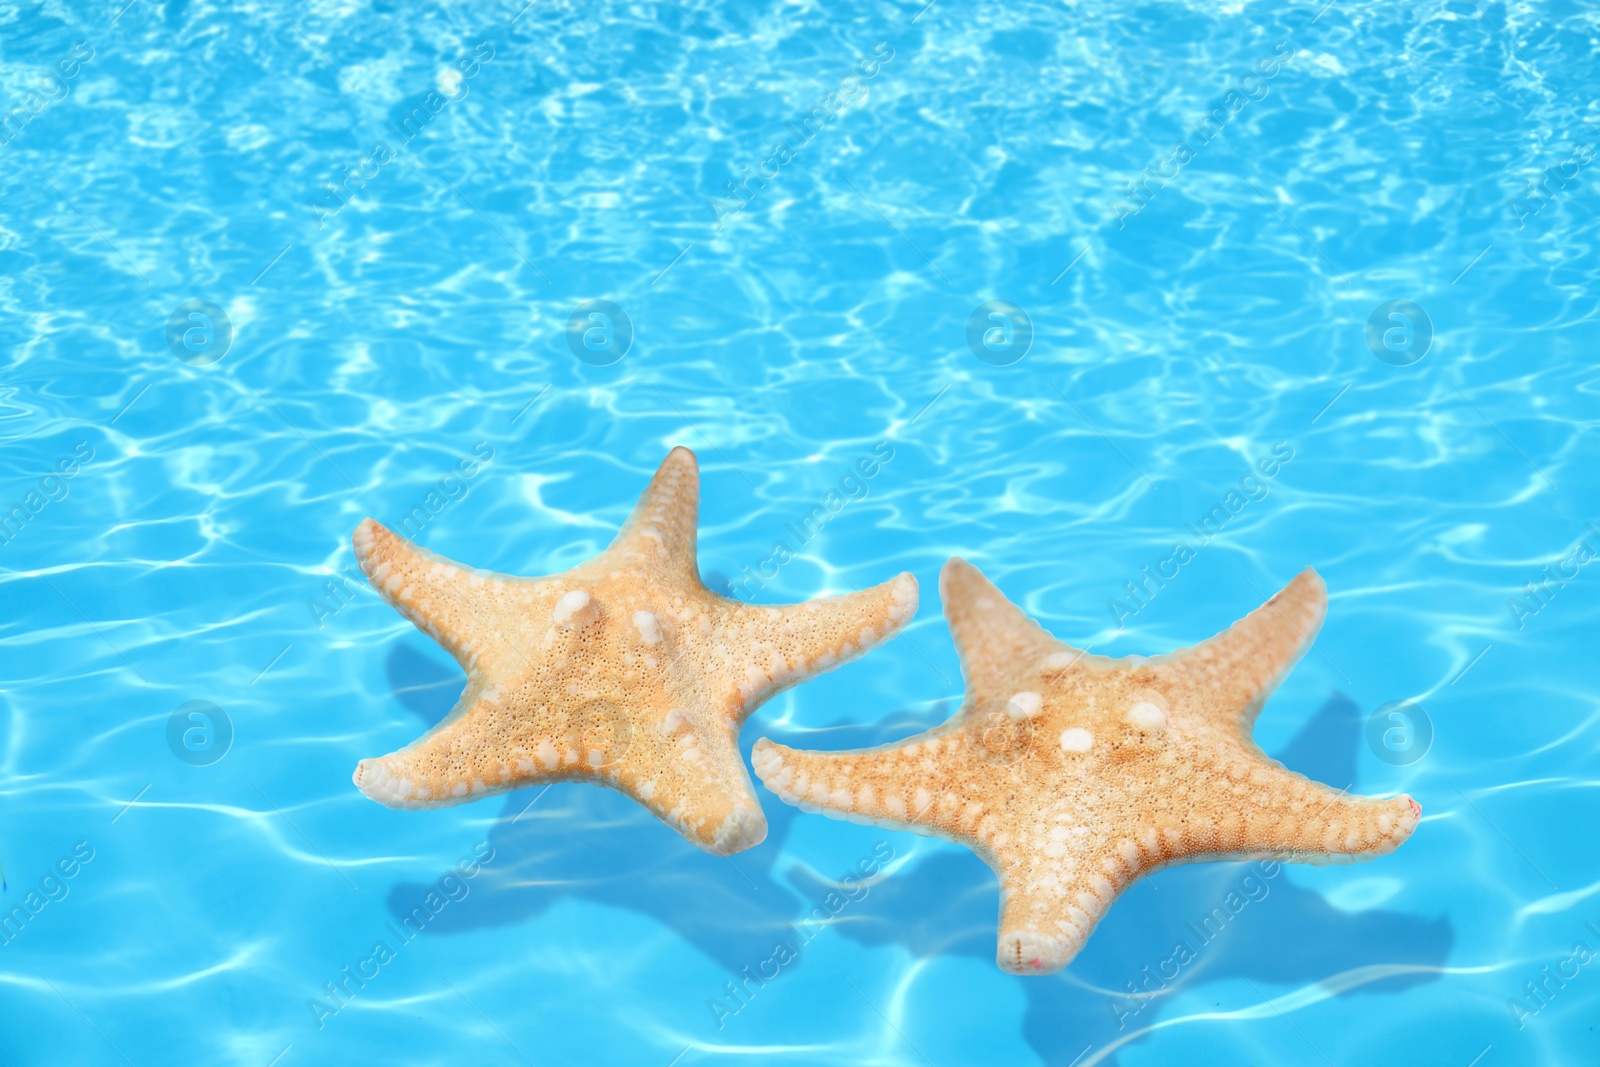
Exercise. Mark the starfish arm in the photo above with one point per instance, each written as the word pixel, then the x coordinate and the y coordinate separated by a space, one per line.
pixel 659 536
pixel 1287 815
pixel 1238 669
pixel 684 768
pixel 998 644
pixel 454 762
pixel 1059 876
pixel 919 784
pixel 1048 907
pixel 792 643
pixel 429 590
pixel 687 771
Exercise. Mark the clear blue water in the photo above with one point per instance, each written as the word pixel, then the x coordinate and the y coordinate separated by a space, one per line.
pixel 381 334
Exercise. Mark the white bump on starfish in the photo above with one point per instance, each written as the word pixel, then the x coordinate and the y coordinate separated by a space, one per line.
pixel 575 608
pixel 1128 766
pixel 1147 716
pixel 648 626
pixel 567 681
pixel 1076 739
pixel 1024 705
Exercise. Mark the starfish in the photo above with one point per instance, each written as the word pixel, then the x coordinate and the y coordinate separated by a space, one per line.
pixel 1071 775
pixel 625 671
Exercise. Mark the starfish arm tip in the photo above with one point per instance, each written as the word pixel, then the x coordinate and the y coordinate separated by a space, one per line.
pixel 1243 665
pixel 422 586
pixel 1043 925
pixel 990 632
pixel 1314 584
pixel 767 758
pixel 786 771
pixel 905 594
pixel 742 829
pixel 1409 821
pixel 366 539
pixel 371 540
pixel 1393 822
pixel 1351 830
pixel 662 530
pixel 721 817
pixel 859 786
pixel 955 570
pixel 1034 953
pixel 376 782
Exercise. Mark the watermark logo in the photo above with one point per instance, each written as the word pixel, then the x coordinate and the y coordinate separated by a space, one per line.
pixel 1001 730
pixel 1537 995
pixel 1151 579
pixel 1399 733
pixel 851 93
pixel 850 888
pixel 199 333
pixel 52 888
pixel 50 488
pixel 1154 979
pixel 340 189
pixel 599 333
pixel 1539 193
pixel 453 887
pixel 1536 596
pixel 999 333
pixel 1136 195
pixel 23 110
pixel 853 485
pixel 1399 333
pixel 450 489
pixel 199 733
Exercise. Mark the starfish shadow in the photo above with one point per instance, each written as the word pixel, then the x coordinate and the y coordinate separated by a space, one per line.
pixel 580 841
pixel 1235 921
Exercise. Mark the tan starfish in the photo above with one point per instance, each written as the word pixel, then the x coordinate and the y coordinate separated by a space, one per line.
pixel 626 671
pixel 1072 774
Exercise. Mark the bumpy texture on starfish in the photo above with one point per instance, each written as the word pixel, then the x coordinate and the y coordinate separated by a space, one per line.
pixel 626 671
pixel 1072 774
